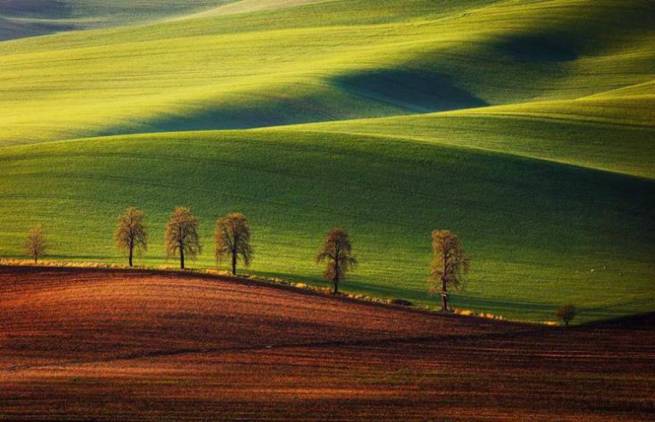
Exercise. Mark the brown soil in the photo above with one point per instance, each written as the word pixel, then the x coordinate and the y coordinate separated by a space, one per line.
pixel 96 344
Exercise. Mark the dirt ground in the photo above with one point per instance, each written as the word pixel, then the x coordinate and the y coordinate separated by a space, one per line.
pixel 79 344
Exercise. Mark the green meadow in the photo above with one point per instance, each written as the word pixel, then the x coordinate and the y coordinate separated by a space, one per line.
pixel 526 127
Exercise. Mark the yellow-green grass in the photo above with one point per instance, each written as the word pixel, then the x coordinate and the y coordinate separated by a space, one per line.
pixel 539 233
pixel 247 6
pixel 614 134
pixel 322 61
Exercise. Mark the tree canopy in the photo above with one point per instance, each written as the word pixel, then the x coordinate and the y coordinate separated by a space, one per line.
pixel 449 264
pixel 336 252
pixel 35 244
pixel 232 238
pixel 182 235
pixel 130 234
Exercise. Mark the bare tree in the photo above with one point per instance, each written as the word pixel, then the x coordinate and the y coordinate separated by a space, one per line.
pixel 449 263
pixel 130 233
pixel 35 244
pixel 232 238
pixel 182 235
pixel 566 314
pixel 337 253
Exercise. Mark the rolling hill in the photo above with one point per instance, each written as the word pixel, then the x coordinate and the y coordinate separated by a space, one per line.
pixel 101 345
pixel 526 127
pixel 25 18
pixel 325 61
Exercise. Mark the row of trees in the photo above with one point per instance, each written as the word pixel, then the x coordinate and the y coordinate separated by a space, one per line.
pixel 232 241
pixel 231 237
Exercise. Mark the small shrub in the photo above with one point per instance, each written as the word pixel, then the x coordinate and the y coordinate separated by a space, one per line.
pixel 566 314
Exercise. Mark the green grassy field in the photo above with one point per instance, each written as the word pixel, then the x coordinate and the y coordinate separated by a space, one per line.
pixel 526 127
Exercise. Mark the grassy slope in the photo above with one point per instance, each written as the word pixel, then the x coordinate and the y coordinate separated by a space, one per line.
pixel 295 65
pixel 248 6
pixel 539 233
pixel 563 88
pixel 590 132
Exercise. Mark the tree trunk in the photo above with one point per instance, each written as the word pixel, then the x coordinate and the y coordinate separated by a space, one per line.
pixel 131 251
pixel 234 262
pixel 444 295
pixel 336 273
pixel 181 256
pixel 444 284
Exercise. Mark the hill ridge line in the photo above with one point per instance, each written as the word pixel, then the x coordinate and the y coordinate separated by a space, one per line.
pixel 525 157
pixel 399 138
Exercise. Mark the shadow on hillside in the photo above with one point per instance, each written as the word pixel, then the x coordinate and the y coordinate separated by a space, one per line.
pixel 537 48
pixel 259 111
pixel 377 93
pixel 640 321
pixel 26 18
pixel 415 90
pixel 44 9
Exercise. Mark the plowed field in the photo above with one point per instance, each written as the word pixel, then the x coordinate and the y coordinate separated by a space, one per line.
pixel 96 344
